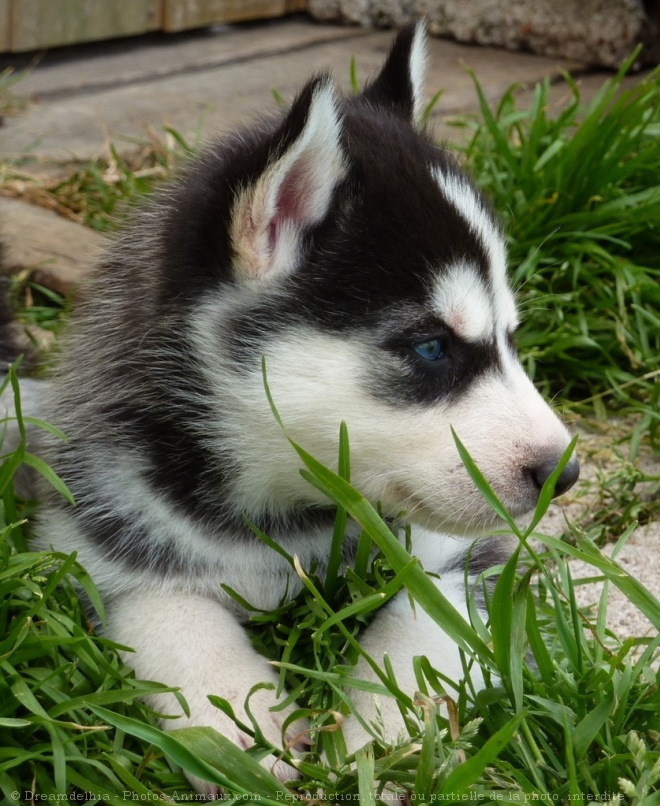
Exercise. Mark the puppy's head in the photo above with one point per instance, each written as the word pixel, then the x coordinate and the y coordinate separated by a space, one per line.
pixel 371 273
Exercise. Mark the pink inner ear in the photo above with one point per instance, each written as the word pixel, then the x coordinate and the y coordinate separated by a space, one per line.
pixel 294 202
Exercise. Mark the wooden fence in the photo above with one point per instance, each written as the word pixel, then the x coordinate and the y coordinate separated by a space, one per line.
pixel 34 24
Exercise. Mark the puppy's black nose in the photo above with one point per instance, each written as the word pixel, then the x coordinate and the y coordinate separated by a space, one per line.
pixel 569 475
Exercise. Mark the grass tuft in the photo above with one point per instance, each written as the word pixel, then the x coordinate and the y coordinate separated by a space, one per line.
pixel 564 699
pixel 569 708
pixel 97 192
pixel 54 667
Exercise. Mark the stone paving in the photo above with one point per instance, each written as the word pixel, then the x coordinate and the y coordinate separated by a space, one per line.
pixel 221 77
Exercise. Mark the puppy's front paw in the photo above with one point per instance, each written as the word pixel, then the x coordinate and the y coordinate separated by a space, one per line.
pixel 196 645
pixel 205 714
pixel 382 714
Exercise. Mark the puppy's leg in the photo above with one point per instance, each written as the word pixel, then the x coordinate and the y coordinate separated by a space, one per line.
pixel 196 644
pixel 403 632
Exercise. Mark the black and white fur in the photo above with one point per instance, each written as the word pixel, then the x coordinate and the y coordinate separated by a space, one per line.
pixel 333 240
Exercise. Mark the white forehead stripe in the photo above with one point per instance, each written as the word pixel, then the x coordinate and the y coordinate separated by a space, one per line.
pixel 461 195
pixel 464 303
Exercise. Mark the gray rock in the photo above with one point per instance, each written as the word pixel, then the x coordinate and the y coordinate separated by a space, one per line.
pixel 599 32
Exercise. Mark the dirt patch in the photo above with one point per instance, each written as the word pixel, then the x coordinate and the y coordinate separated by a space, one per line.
pixel 607 498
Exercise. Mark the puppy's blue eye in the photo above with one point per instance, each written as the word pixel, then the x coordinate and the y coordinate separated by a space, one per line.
pixel 430 350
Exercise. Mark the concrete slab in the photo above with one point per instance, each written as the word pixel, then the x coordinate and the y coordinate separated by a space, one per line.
pixel 77 123
pixel 93 67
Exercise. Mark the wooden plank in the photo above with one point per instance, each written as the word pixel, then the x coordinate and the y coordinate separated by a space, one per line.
pixel 58 253
pixel 296 5
pixel 182 14
pixel 44 23
pixel 4 26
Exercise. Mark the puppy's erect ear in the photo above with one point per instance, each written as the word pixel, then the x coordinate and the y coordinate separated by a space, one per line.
pixel 294 192
pixel 399 86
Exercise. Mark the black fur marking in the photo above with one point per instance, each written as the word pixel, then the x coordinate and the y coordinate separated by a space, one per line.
pixel 485 554
pixel 122 541
pixel 388 234
pixel 197 250
pixel 392 90
pixel 133 546
pixel 157 424
pixel 181 467
pixel 119 539
pixel 488 552
pixel 427 382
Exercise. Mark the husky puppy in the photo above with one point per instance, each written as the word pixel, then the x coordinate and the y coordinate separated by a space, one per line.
pixel 338 241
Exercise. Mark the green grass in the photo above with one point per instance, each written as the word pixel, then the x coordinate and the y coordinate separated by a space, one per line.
pixel 99 192
pixel 616 498
pixel 569 710
pixel 54 667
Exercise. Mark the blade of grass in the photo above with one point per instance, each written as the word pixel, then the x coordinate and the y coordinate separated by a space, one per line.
pixel 198 750
pixel 462 778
